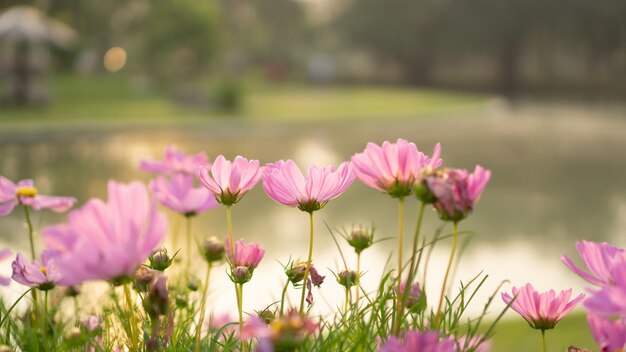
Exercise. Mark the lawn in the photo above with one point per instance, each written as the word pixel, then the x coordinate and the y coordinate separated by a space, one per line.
pixel 113 99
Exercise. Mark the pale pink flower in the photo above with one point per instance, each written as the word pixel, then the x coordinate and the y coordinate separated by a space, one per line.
pixel 107 241
pixel 91 322
pixel 4 254
pixel 541 310
pixel 610 335
pixel 610 299
pixel 598 258
pixel 174 162
pixel 475 344
pixel 394 168
pixel 24 192
pixel 456 191
pixel 246 258
pixel 229 181
pixel 428 341
pixel 180 195
pixel 42 274
pixel 284 182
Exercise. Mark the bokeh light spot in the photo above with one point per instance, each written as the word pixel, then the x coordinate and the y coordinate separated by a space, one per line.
pixel 114 59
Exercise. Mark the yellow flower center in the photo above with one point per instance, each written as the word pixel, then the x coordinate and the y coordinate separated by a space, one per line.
pixel 44 270
pixel 26 192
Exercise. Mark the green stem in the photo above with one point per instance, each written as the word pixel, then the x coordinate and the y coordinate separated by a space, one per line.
pixel 30 231
pixel 308 263
pixel 229 223
pixel 358 279
pixel 205 290
pixel 345 305
pixel 133 321
pixel 445 278
pixel 13 306
pixel 398 317
pixel 188 233
pixel 412 268
pixel 282 298
pixel 239 288
pixel 543 341
pixel 45 306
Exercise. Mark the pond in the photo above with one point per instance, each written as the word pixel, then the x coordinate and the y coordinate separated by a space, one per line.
pixel 558 176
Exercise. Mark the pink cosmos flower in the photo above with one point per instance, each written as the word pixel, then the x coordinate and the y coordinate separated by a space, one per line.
pixel 419 341
pixel 246 258
pixel 541 310
pixel 109 240
pixel 175 162
pixel 611 298
pixel 474 344
pixel 395 167
pixel 598 258
pixel 610 335
pixel 180 195
pixel 284 182
pixel 4 254
pixel 229 181
pixel 25 193
pixel 41 274
pixel 288 331
pixel 456 191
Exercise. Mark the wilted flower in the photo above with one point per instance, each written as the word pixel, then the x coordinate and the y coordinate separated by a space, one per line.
pixel 24 192
pixel 41 274
pixel 212 249
pixel 109 240
pixel 4 254
pixel 541 310
pixel 180 195
pixel 419 341
pixel 246 258
pixel 229 181
pixel 456 191
pixel 285 333
pixel 160 260
pixel 295 273
pixel 175 161
pixel 284 182
pixel 598 258
pixel 347 278
pixel 360 238
pixel 393 168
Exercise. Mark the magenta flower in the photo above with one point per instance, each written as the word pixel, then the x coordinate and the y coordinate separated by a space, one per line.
pixel 541 310
pixel 611 298
pixel 180 195
pixel 456 191
pixel 395 167
pixel 25 193
pixel 419 341
pixel 284 182
pixel 246 258
pixel 598 258
pixel 175 162
pixel 229 181
pixel 107 241
pixel 610 335
pixel 4 254
pixel 42 274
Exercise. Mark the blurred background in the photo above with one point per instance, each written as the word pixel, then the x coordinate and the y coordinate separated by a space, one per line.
pixel 534 90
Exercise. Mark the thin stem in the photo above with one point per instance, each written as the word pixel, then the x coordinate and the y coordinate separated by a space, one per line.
pixel 282 298
pixel 420 216
pixel 345 305
pixel 358 278
pixel 308 263
pixel 30 231
pixel 396 327
pixel 543 340
pixel 239 288
pixel 13 306
pixel 445 278
pixel 133 321
pixel 205 290
pixel 45 306
pixel 188 233
pixel 229 222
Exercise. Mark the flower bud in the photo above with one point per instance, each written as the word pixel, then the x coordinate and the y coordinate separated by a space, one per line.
pixel 423 193
pixel 295 273
pixel 157 301
pixel 414 295
pixel 212 249
pixel 193 284
pixel 144 278
pixel 360 239
pixel 181 300
pixel 267 315
pixel 159 260
pixel 72 291
pixel 347 278
pixel 240 274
